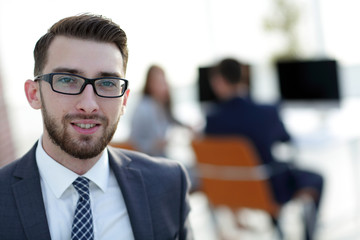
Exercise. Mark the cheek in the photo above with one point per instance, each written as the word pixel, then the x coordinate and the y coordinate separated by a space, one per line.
pixel 55 111
pixel 57 108
pixel 121 109
pixel 113 111
pixel 123 103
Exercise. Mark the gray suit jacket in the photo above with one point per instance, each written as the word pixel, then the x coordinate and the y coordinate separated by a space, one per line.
pixel 155 193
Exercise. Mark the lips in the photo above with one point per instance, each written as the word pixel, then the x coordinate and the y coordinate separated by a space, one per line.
pixel 85 126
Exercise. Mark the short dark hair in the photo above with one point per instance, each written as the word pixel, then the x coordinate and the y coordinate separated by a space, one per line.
pixel 84 26
pixel 230 69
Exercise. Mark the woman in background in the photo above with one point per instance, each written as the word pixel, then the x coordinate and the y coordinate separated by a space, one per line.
pixel 153 116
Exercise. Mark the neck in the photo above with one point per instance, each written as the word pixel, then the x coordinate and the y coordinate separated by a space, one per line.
pixel 239 90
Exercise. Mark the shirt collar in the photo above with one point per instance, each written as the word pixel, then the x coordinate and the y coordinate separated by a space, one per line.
pixel 60 178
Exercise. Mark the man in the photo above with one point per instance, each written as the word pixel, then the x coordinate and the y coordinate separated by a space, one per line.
pixel 236 114
pixel 70 185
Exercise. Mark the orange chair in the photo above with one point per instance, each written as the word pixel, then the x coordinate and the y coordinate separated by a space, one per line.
pixel 125 145
pixel 231 175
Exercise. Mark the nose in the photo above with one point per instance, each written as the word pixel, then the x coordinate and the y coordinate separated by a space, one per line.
pixel 87 101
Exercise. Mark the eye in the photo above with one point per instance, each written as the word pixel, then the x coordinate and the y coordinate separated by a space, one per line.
pixel 108 83
pixel 65 79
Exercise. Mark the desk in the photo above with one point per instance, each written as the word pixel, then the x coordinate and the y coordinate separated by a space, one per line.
pixel 329 142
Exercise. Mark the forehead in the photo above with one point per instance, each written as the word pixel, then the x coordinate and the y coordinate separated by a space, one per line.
pixel 88 57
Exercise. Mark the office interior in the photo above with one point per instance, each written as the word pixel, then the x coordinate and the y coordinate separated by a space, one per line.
pixel 325 130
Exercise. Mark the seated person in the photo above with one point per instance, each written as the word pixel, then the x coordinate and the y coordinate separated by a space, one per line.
pixel 153 119
pixel 153 116
pixel 236 114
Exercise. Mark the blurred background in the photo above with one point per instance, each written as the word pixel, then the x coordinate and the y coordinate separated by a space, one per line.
pixel 183 36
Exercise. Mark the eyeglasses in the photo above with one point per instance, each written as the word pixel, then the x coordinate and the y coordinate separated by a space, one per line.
pixel 72 84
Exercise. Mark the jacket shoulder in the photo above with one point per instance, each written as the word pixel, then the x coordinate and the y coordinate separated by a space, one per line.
pixel 20 168
pixel 144 162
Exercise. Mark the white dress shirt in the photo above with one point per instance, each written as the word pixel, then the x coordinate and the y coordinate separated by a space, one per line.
pixel 110 216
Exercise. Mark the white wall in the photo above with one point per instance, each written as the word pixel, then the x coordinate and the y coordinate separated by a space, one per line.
pixel 179 35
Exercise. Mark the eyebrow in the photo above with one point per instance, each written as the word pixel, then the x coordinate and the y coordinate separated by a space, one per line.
pixel 66 70
pixel 75 71
pixel 110 74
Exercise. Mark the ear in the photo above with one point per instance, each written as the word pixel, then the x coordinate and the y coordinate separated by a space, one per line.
pixel 123 106
pixel 32 92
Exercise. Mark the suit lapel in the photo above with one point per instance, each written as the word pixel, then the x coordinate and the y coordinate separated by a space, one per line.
pixel 30 204
pixel 28 198
pixel 134 193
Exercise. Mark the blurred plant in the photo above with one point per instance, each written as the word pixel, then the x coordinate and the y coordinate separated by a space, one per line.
pixel 284 19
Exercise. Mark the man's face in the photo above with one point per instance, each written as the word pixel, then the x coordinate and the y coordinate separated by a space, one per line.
pixel 220 86
pixel 81 125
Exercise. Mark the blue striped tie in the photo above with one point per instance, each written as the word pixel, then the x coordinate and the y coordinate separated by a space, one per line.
pixel 82 227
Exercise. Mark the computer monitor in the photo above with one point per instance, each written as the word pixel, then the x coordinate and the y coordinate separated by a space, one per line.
pixel 308 80
pixel 206 94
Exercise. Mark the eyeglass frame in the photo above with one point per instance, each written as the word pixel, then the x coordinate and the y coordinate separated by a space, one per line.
pixel 49 78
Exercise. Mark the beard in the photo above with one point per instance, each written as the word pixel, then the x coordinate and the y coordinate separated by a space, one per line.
pixel 84 146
